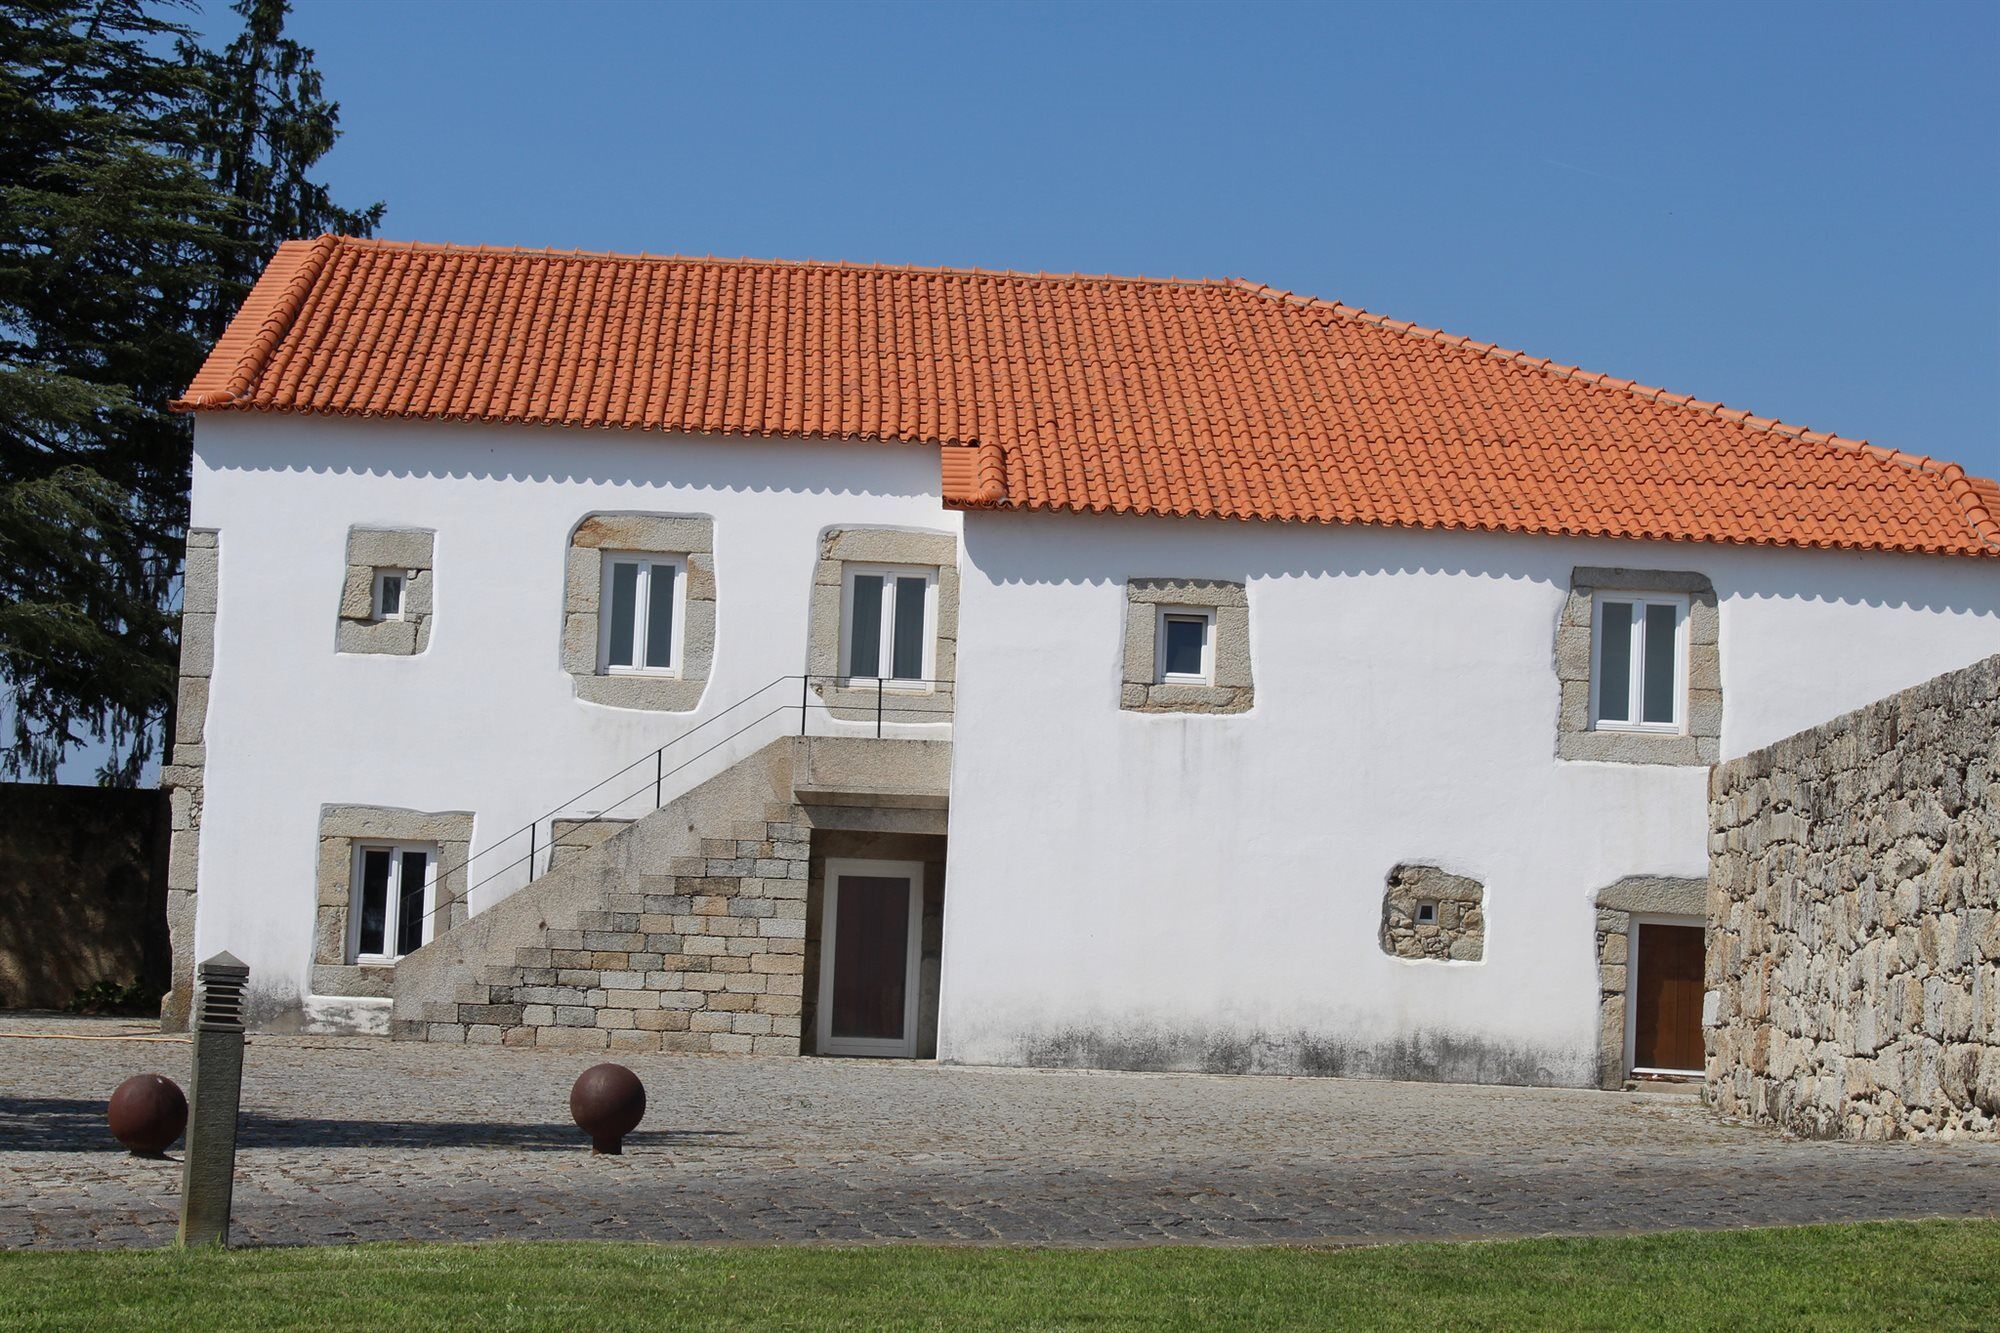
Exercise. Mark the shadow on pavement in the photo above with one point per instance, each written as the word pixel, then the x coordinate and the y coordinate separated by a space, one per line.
pixel 59 1124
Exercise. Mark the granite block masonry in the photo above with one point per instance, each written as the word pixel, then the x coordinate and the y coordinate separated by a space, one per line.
pixel 1428 914
pixel 1854 914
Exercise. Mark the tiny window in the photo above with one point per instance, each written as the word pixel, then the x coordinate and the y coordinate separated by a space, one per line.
pixel 390 908
pixel 1185 651
pixel 1427 911
pixel 1638 675
pixel 641 614
pixel 886 616
pixel 389 594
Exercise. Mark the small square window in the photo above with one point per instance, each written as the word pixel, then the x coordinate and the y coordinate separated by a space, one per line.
pixel 389 910
pixel 1186 647
pixel 1427 911
pixel 641 614
pixel 1638 669
pixel 389 594
pixel 885 621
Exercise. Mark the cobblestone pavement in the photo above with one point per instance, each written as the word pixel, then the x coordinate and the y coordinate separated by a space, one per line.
pixel 353 1139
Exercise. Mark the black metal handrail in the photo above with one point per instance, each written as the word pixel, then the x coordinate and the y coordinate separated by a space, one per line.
pixel 884 711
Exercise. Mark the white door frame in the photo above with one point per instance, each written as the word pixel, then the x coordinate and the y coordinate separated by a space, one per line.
pixel 826 1042
pixel 1632 924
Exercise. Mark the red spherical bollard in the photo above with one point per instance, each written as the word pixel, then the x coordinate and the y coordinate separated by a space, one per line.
pixel 607 1103
pixel 147 1113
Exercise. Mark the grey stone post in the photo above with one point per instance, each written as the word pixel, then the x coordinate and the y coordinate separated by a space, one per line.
pixel 208 1169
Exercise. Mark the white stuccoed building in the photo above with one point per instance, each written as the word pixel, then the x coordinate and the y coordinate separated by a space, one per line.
pixel 626 653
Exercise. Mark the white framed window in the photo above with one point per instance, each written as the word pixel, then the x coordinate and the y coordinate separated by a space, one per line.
pixel 389 585
pixel 1638 662
pixel 1184 646
pixel 886 614
pixel 393 896
pixel 642 614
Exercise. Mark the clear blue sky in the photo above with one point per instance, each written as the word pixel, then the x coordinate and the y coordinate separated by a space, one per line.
pixel 1790 208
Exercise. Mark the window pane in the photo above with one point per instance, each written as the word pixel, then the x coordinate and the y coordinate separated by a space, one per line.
pixel 864 627
pixel 410 913
pixel 1660 677
pixel 373 904
pixel 624 610
pixel 1185 637
pixel 392 595
pixel 1614 661
pixel 909 663
pixel 660 616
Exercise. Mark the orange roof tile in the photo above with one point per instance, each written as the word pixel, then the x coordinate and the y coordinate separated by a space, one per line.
pixel 1131 395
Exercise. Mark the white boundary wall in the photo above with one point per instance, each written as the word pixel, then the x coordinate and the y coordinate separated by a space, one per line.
pixel 1160 891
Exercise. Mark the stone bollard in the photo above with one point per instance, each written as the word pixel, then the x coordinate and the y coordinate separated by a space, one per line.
pixel 208 1171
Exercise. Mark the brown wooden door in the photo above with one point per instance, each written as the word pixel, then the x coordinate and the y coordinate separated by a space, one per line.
pixel 1666 1028
pixel 870 957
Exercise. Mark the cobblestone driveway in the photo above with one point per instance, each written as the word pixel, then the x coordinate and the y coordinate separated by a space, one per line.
pixel 349 1140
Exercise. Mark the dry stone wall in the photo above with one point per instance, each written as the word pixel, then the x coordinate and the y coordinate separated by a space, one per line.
pixel 1854 908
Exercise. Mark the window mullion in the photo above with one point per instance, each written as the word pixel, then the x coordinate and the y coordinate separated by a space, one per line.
pixel 392 923
pixel 887 659
pixel 642 595
pixel 1636 704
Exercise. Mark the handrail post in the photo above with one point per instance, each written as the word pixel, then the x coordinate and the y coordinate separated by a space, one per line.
pixel 659 764
pixel 805 699
pixel 878 707
pixel 531 851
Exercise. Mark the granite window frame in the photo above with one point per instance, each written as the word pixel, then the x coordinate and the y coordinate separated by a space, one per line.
pixel 1697 740
pixel 373 553
pixel 1148 601
pixel 688 538
pixel 841 547
pixel 343 828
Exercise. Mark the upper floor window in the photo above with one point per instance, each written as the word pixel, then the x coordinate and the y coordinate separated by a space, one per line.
pixel 392 900
pixel 641 621
pixel 886 614
pixel 1185 653
pixel 389 594
pixel 1639 661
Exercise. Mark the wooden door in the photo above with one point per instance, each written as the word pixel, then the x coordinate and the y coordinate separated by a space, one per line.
pixel 869 946
pixel 1666 1027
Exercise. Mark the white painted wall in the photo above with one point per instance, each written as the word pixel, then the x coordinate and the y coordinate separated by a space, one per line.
pixel 1178 891
pixel 1126 888
pixel 485 720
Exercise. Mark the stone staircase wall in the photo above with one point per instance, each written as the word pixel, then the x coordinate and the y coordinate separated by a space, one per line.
pixel 685 931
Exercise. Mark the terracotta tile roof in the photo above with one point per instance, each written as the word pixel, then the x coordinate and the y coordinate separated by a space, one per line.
pixel 1198 398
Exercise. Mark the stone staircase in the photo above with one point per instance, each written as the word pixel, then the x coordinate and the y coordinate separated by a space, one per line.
pixel 683 931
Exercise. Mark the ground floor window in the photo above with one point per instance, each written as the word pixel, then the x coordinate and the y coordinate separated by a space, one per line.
pixel 392 900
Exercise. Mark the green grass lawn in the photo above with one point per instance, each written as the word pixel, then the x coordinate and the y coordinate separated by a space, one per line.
pixel 1932 1275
